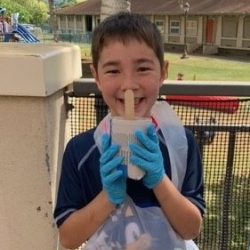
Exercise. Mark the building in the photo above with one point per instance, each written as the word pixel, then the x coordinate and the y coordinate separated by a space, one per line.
pixel 211 25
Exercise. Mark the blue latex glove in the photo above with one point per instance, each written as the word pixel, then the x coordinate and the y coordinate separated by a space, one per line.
pixel 148 157
pixel 113 174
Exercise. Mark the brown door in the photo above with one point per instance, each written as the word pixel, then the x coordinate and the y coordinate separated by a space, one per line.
pixel 210 31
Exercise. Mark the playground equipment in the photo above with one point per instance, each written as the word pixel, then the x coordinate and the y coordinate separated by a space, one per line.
pixel 25 34
pixel 15 32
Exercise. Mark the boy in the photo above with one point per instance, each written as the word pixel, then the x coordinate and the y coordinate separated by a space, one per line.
pixel 127 54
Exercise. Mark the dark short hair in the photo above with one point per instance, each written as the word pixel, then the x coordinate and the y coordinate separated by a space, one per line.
pixel 124 27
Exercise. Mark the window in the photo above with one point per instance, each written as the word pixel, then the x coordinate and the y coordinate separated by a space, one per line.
pixel 192 28
pixel 246 30
pixel 229 27
pixel 79 26
pixel 71 22
pixel 98 20
pixel 160 25
pixel 63 22
pixel 174 27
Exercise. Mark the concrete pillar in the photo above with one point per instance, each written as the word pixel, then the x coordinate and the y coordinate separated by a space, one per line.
pixel 32 139
pixel 67 24
pixel 240 32
pixel 58 22
pixel 93 22
pixel 200 30
pixel 218 31
pixel 83 24
pixel 75 26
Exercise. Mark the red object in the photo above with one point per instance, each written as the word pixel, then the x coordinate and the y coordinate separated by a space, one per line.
pixel 220 103
pixel 210 31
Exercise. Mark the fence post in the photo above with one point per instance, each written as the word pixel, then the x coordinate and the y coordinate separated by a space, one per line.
pixel 227 197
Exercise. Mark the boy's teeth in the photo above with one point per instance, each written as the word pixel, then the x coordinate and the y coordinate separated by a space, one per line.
pixel 137 100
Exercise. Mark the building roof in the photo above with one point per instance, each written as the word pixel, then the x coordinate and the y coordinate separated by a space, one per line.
pixel 165 7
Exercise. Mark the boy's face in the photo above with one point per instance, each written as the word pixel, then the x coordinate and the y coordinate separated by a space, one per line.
pixel 131 65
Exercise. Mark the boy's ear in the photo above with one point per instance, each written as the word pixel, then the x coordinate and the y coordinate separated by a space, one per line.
pixel 164 72
pixel 93 71
pixel 166 69
pixel 95 75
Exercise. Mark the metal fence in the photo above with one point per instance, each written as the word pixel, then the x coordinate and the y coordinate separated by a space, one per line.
pixel 78 37
pixel 221 125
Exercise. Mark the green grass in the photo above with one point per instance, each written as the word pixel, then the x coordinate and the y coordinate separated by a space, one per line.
pixel 203 68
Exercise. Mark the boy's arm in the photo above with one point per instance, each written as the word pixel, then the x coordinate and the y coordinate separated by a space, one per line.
pixel 182 214
pixel 83 223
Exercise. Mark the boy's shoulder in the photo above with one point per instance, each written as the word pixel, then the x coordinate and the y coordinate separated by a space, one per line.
pixel 82 141
pixel 86 135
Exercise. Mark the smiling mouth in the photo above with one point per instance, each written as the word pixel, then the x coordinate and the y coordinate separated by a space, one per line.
pixel 137 100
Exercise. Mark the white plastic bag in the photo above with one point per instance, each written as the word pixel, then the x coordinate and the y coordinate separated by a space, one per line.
pixel 135 228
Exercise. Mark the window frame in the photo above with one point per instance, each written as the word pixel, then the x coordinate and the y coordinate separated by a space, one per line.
pixel 174 27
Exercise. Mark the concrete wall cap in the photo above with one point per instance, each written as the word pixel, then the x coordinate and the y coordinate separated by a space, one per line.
pixel 38 69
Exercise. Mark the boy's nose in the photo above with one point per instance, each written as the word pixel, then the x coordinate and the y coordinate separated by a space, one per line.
pixel 129 82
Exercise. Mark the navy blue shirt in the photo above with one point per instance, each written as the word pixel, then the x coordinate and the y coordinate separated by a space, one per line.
pixel 80 180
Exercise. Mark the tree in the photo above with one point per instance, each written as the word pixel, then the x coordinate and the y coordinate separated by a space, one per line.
pixel 109 7
pixel 30 11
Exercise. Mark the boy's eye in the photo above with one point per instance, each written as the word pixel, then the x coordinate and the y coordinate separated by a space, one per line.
pixel 112 71
pixel 143 69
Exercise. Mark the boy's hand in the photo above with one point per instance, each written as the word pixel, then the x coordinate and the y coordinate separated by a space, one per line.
pixel 148 157
pixel 113 174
